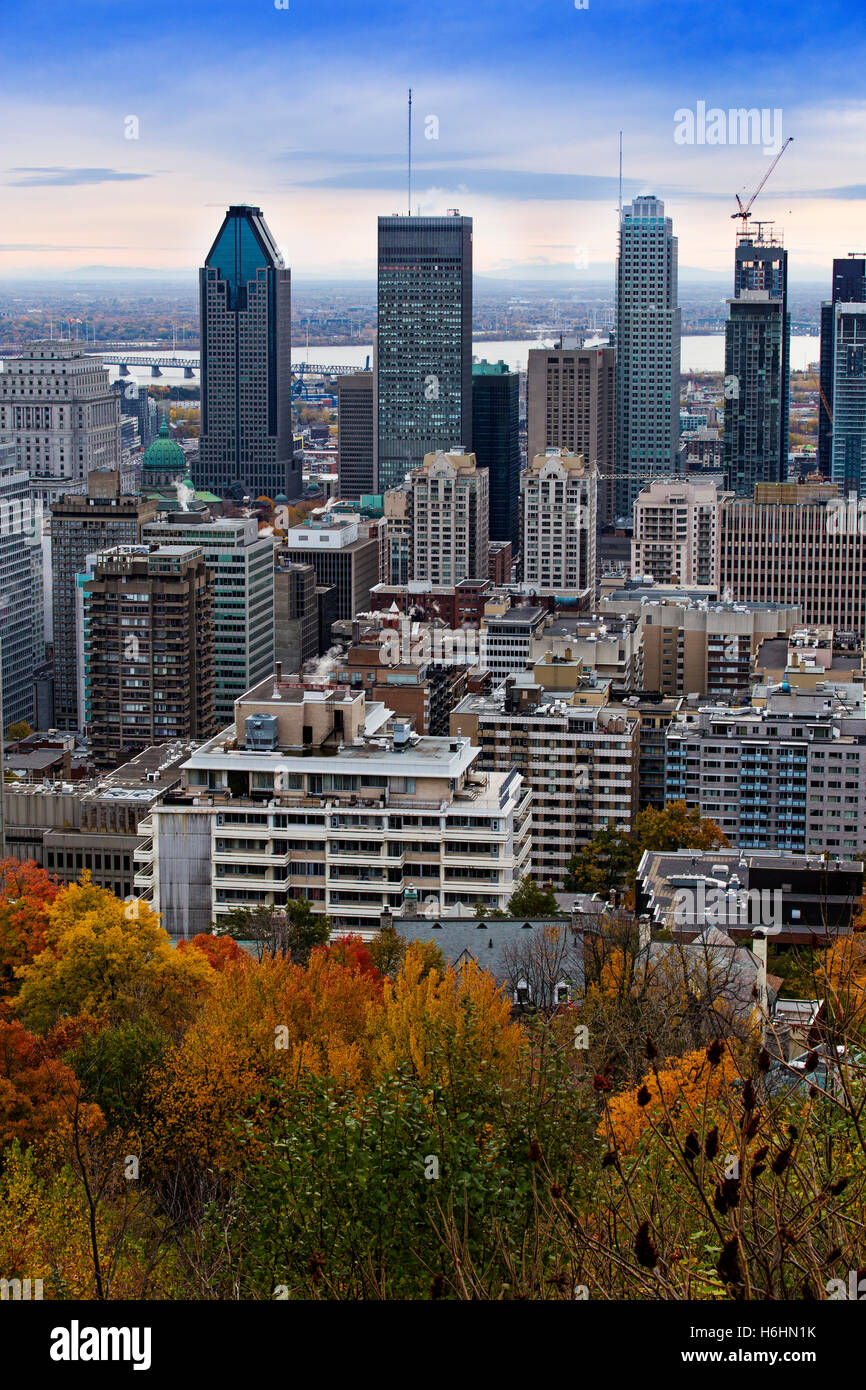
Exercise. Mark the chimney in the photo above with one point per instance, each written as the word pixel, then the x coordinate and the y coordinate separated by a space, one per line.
pixel 759 949
pixel 356 632
pixel 279 675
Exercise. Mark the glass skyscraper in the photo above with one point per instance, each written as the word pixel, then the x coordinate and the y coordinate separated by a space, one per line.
pixel 757 367
pixel 848 454
pixel 647 349
pixel 496 445
pixel 246 322
pixel 849 287
pixel 424 341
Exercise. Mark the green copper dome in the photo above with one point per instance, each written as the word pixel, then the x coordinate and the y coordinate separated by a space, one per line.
pixel 164 455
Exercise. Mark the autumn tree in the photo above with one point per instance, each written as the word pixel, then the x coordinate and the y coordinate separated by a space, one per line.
pixel 113 965
pixel 291 931
pixel 608 862
pixel 26 893
pixel 677 827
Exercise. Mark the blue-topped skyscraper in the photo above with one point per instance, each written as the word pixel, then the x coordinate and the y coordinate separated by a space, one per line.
pixel 423 342
pixel 246 395
pixel 647 349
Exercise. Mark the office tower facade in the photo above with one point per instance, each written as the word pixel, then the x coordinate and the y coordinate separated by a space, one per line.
pixel 496 444
pixel 348 799
pixel 796 544
pixel 648 324
pixel 57 406
pixel 848 442
pixel 398 537
pixel 757 367
pixel 80 526
pixel 21 627
pixel 342 558
pixel 136 404
pixel 571 404
pixel 246 324
pixel 423 341
pixel 355 434
pixel 848 287
pixel 242 572
pixel 296 616
pixel 559 510
pixel 450 507
pixel 676 534
pixel 149 649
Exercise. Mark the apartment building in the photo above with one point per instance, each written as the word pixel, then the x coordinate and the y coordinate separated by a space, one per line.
pixel 148 635
pixel 571 404
pixel 450 516
pixel 507 636
pixel 312 795
pixel 784 774
pixel 242 568
pixel 676 533
pixel 341 555
pixel 578 756
pixel 707 648
pixel 559 519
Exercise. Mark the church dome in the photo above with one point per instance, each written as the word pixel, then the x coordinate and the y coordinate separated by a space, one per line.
pixel 164 455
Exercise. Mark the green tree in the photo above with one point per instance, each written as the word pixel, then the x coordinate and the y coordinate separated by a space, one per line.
pixel 18 731
pixel 291 931
pixel 608 862
pixel 530 900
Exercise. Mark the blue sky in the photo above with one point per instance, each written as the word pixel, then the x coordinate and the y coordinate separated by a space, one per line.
pixel 304 112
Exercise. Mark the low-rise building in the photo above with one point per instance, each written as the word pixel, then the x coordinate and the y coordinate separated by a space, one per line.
pixel 310 794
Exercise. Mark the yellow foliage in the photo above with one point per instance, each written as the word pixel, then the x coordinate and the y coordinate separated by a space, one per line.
pixel 433 1020
pixel 107 964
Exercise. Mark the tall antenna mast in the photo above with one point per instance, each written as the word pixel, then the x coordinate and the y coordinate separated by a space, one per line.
pixel 620 176
pixel 409 189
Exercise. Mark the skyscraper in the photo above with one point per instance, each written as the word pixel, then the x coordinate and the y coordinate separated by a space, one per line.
pixel 79 527
pixel 355 429
pixel 849 287
pixel 57 405
pixel 246 412
pixel 571 404
pixel 647 348
pixel 20 589
pixel 496 444
pixel 424 341
pixel 848 445
pixel 757 367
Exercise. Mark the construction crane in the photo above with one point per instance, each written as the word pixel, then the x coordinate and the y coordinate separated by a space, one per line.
pixel 744 213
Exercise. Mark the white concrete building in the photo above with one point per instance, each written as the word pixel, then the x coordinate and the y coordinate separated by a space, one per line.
pixel 310 794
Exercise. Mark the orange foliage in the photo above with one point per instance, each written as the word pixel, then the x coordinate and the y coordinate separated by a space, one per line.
pixel 26 893
pixel 218 951
pixel 37 1092
pixel 685 1093
pixel 262 1019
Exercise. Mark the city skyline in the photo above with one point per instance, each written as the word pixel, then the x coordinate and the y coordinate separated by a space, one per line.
pixel 326 156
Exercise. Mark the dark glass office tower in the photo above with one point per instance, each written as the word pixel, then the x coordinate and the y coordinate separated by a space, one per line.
pixel 496 445
pixel 849 287
pixel 424 341
pixel 246 318
pixel 757 367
